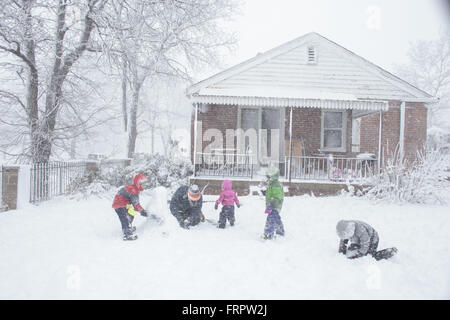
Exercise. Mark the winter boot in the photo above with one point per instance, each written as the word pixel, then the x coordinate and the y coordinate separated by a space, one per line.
pixel 266 237
pixel 127 237
pixel 385 253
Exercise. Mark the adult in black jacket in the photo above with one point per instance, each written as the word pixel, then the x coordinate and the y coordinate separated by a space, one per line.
pixel 186 206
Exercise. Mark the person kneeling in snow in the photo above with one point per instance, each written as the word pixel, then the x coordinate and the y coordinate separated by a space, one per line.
pixel 274 202
pixel 227 198
pixel 363 240
pixel 186 206
pixel 126 203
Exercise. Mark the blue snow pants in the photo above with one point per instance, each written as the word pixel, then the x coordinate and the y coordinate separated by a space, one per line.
pixel 125 220
pixel 227 213
pixel 273 224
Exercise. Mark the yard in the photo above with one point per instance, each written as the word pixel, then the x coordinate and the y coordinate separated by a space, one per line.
pixel 72 249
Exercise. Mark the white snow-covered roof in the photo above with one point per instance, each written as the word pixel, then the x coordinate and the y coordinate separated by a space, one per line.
pixel 285 97
pixel 366 105
pixel 283 74
pixel 276 92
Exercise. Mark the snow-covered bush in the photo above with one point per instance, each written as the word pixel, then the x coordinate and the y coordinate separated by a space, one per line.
pixel 160 170
pixel 424 181
pixel 81 188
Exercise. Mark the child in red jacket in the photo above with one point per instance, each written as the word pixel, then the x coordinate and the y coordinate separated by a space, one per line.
pixel 126 203
pixel 227 198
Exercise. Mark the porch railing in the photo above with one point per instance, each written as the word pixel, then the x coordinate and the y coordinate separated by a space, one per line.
pixel 224 164
pixel 338 169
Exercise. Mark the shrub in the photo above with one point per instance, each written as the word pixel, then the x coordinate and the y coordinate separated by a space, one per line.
pixel 424 181
pixel 160 170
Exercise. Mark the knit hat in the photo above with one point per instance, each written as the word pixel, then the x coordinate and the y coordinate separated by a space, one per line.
pixel 194 193
pixel 345 229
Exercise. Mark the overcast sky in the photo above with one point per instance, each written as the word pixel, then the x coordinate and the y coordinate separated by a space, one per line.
pixel 378 30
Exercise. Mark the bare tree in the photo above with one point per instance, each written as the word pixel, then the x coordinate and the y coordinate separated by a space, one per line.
pixel 45 39
pixel 168 38
pixel 429 70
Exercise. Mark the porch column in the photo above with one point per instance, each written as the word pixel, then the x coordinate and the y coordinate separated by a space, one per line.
pixel 402 131
pixel 380 133
pixel 290 144
pixel 195 136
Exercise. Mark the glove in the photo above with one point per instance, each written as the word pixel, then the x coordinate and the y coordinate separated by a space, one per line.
pixel 343 246
pixel 353 254
pixel 352 251
pixel 269 209
pixel 144 213
pixel 202 217
pixel 238 205
pixel 216 206
pixel 184 224
pixel 354 247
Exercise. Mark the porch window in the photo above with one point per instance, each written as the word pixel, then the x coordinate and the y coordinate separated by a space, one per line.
pixel 333 131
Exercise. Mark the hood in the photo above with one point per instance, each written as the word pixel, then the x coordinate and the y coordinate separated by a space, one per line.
pixel 227 185
pixel 345 229
pixel 273 173
pixel 137 181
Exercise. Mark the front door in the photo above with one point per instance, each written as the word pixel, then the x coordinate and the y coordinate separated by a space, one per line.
pixel 270 136
pixel 262 129
pixel 250 127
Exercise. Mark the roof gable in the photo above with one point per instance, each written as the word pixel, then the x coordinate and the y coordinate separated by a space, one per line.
pixel 286 67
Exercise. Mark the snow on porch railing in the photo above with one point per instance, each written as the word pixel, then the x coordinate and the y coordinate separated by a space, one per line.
pixel 326 169
pixel 224 164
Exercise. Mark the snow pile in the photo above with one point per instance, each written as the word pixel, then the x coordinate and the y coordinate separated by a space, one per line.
pixel 68 249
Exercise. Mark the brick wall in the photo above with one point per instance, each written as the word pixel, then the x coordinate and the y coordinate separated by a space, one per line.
pixel 415 130
pixel 307 128
pixel 242 187
pixel 214 117
pixel 390 131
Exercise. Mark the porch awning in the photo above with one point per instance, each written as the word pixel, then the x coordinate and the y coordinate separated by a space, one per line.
pixel 269 97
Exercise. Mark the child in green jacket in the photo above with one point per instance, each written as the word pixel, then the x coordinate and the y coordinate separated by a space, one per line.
pixel 274 202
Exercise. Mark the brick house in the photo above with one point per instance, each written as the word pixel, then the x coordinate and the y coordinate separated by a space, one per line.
pixel 310 106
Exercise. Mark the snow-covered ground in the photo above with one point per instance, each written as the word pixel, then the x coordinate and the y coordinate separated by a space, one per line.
pixel 72 249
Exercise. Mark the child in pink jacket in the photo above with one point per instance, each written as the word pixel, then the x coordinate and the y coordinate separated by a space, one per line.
pixel 227 198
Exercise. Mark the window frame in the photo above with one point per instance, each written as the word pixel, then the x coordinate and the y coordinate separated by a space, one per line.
pixel 343 148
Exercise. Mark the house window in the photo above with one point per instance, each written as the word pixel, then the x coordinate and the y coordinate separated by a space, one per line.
pixel 312 57
pixel 333 130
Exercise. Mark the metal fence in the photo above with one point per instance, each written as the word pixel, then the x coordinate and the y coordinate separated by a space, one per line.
pixel 226 164
pixel 338 169
pixel 51 179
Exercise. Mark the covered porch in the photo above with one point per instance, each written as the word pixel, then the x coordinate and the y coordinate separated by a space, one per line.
pixel 311 139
